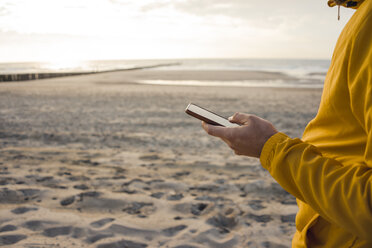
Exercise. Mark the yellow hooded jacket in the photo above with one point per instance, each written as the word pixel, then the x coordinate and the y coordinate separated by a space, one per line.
pixel 329 171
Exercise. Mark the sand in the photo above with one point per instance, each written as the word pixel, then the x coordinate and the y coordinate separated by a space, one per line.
pixel 101 161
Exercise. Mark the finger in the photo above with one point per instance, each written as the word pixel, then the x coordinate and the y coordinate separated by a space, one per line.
pixel 216 131
pixel 240 118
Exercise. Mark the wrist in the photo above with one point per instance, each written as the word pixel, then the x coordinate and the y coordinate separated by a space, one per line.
pixel 265 139
pixel 268 150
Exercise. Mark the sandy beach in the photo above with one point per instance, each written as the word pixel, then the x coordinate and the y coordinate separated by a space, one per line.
pixel 105 161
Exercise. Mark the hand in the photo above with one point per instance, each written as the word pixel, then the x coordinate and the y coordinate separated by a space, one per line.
pixel 249 138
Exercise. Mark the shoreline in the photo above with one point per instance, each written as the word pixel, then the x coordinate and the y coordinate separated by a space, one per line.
pixel 168 77
pixel 46 75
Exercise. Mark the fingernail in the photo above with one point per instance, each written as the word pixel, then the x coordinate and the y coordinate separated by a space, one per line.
pixel 230 118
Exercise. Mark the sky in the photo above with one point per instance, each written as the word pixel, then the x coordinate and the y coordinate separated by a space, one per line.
pixel 73 30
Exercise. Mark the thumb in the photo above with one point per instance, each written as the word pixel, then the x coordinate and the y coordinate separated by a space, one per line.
pixel 240 118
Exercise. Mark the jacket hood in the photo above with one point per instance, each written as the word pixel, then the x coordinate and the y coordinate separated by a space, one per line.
pixel 346 3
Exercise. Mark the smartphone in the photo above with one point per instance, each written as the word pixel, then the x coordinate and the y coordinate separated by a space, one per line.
pixel 208 116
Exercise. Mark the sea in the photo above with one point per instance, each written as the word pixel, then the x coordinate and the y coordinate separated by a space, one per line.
pixel 307 73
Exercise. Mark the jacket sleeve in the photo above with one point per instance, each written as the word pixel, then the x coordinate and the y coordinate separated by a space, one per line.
pixel 340 194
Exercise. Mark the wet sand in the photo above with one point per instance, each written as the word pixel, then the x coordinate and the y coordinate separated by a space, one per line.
pixel 101 161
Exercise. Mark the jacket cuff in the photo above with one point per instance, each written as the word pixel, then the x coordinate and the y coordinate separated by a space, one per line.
pixel 268 151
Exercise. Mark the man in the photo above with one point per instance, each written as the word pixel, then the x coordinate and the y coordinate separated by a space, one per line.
pixel 329 171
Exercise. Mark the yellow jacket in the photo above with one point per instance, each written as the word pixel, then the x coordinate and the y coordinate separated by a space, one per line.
pixel 329 171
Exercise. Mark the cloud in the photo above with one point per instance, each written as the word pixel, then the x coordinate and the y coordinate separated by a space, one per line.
pixel 3 11
pixel 155 6
pixel 284 16
pixel 120 2
pixel 270 14
pixel 237 8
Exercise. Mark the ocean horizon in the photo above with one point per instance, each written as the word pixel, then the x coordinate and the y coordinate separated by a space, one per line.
pixel 308 73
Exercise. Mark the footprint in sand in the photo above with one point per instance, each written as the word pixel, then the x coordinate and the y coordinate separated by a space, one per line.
pixel 94 238
pixel 137 207
pixel 260 218
pixel 181 174
pixel 81 186
pixel 288 218
pixel 129 231
pixel 101 222
pixel 22 210
pixel 57 231
pixel 18 196
pixel 170 232
pixel 123 243
pixel 175 197
pixel 150 157
pixel 197 209
pixel 223 222
pixel 79 232
pixel 67 201
pixel 8 228
pixel 157 195
pixel 11 239
pixel 78 178
pixel 43 179
pixel 256 204
pixel 7 180
pixel 37 225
